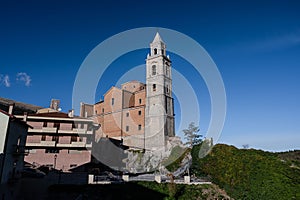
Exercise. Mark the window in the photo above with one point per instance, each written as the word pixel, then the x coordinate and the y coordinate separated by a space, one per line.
pixel 73 138
pixel 140 112
pixel 127 114
pixel 55 138
pixel 56 125
pixel 155 51
pixel 140 101
pixel 154 87
pixel 43 138
pixel 167 89
pixel 112 101
pixel 102 110
pixel 73 165
pixel 127 128
pixel 162 52
pixel 153 70
pixel 45 124
pixel 51 151
pixel 140 127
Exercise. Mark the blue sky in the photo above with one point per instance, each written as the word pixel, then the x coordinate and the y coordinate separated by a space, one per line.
pixel 256 46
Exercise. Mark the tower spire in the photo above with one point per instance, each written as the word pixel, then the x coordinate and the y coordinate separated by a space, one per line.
pixel 157 38
pixel 157 46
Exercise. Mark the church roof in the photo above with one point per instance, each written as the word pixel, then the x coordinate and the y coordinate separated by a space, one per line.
pixel 157 38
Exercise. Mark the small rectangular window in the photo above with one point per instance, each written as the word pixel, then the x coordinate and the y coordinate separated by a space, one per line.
pixel 127 128
pixel 73 165
pixel 51 151
pixel 57 125
pixel 73 138
pixel 140 127
pixel 102 110
pixel 140 112
pixel 140 101
pixel 55 138
pixel 112 101
pixel 154 87
pixel 127 114
pixel 43 138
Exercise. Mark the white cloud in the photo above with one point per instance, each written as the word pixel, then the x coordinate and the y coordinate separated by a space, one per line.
pixel 22 76
pixel 4 80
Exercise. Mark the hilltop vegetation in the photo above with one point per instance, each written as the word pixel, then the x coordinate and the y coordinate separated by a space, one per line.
pixel 249 173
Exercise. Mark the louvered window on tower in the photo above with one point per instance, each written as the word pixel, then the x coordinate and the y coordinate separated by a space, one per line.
pixel 153 70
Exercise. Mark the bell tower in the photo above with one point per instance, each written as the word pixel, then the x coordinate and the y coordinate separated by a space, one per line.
pixel 159 102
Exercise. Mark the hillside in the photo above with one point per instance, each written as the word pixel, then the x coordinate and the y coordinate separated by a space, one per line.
pixel 249 173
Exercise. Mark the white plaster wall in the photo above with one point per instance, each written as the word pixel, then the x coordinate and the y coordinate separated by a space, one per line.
pixel 3 129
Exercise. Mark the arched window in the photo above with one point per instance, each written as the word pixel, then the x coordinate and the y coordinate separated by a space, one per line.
pixel 155 51
pixel 154 87
pixel 153 70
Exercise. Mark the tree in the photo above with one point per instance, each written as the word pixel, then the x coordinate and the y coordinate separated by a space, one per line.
pixel 191 135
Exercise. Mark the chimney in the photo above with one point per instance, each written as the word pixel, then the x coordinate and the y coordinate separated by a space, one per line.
pixel 11 108
pixel 82 109
pixel 25 116
pixel 55 104
pixel 71 113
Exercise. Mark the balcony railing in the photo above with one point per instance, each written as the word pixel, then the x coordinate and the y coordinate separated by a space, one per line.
pixel 43 130
pixel 47 130
pixel 41 144
pixel 74 145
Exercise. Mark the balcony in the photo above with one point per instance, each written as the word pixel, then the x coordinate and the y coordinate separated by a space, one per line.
pixel 74 145
pixel 76 131
pixel 41 144
pixel 43 130
pixel 79 130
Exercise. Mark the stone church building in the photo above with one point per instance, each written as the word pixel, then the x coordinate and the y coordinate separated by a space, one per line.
pixel 141 115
